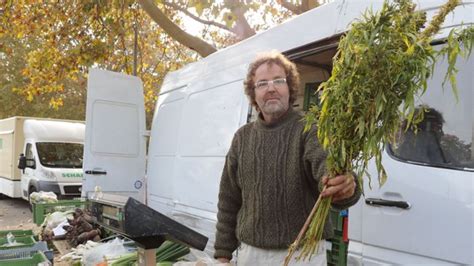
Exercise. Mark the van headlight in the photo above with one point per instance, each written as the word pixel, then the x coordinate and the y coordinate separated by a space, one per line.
pixel 49 174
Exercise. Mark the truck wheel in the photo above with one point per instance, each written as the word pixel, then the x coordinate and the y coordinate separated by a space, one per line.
pixel 31 190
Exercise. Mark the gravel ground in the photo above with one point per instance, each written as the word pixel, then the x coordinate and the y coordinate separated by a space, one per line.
pixel 15 214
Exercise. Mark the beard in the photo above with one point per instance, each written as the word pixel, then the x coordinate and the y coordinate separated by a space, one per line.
pixel 274 108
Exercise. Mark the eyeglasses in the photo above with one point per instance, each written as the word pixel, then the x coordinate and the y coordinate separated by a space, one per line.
pixel 264 84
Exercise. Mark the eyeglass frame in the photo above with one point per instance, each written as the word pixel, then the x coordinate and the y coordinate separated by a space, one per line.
pixel 266 83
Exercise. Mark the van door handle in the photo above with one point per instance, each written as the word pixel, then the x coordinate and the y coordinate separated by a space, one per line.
pixel 95 172
pixel 388 203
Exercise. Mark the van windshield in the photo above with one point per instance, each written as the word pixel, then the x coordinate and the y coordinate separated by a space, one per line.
pixel 60 155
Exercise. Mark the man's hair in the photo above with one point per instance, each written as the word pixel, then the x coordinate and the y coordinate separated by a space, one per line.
pixel 273 57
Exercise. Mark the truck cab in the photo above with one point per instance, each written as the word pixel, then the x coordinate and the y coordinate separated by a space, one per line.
pixel 52 156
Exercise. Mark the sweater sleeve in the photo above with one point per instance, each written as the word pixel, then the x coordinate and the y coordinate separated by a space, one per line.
pixel 315 159
pixel 230 201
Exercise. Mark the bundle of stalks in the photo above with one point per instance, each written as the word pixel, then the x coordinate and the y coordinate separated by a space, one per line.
pixel 167 252
pixel 381 67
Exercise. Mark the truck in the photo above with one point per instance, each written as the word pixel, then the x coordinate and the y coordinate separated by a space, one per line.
pixel 41 154
pixel 424 214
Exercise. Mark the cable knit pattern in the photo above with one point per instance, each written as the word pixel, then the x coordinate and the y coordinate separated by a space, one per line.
pixel 269 185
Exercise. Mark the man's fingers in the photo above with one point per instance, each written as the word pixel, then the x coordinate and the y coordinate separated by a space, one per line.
pixel 325 180
pixel 336 180
pixel 331 190
pixel 345 192
pixel 339 187
pixel 350 186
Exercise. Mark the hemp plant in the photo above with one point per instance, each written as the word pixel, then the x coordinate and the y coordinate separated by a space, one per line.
pixel 382 65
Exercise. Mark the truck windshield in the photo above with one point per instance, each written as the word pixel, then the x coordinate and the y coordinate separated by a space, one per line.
pixel 60 155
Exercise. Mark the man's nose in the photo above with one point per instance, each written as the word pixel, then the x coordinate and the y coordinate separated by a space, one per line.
pixel 271 86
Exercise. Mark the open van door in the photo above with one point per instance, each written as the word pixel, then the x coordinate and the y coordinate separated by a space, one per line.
pixel 115 144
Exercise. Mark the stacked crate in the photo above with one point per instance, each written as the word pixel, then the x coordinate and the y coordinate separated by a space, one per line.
pixel 337 254
pixel 28 252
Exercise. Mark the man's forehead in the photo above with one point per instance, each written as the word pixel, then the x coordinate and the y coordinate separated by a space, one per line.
pixel 269 68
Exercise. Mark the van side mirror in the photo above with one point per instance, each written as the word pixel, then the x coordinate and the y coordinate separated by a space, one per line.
pixel 30 163
pixel 25 163
pixel 22 162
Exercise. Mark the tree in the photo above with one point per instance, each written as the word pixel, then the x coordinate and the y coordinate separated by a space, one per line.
pixel 46 47
pixel 49 47
pixel 232 13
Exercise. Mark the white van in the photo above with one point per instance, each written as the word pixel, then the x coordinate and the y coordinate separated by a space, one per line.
pixel 424 213
pixel 49 153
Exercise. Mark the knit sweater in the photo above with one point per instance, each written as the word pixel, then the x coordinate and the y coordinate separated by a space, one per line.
pixel 270 183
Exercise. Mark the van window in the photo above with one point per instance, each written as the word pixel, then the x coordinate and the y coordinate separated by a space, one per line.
pixel 60 155
pixel 444 137
pixel 29 151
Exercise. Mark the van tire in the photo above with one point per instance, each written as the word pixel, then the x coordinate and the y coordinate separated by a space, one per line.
pixel 31 190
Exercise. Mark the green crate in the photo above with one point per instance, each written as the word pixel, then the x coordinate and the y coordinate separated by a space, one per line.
pixel 16 233
pixel 37 258
pixel 337 220
pixel 337 255
pixel 26 241
pixel 40 210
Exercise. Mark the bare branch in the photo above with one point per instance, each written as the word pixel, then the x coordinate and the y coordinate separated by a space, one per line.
pixel 241 28
pixel 296 9
pixel 186 39
pixel 309 4
pixel 299 9
pixel 191 15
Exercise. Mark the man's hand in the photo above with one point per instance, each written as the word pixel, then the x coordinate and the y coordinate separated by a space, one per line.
pixel 340 187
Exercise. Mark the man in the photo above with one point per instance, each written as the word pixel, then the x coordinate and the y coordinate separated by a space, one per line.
pixel 273 173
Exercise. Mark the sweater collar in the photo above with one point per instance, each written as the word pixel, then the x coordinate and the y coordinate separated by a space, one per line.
pixel 285 119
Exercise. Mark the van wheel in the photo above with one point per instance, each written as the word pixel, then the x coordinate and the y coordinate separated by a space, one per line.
pixel 31 190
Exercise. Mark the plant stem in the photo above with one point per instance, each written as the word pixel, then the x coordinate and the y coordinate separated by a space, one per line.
pixel 302 232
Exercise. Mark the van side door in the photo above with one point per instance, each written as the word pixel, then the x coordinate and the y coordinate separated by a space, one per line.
pixel 424 213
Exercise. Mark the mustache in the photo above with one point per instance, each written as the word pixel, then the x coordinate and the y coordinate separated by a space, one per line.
pixel 270 96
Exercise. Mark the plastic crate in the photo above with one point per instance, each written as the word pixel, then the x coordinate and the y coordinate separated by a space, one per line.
pixel 40 210
pixel 16 233
pixel 24 241
pixel 23 252
pixel 337 255
pixel 337 220
pixel 37 258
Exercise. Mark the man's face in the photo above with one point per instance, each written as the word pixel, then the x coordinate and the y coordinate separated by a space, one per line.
pixel 272 100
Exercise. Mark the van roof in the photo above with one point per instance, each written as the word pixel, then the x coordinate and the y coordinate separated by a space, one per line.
pixel 318 24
